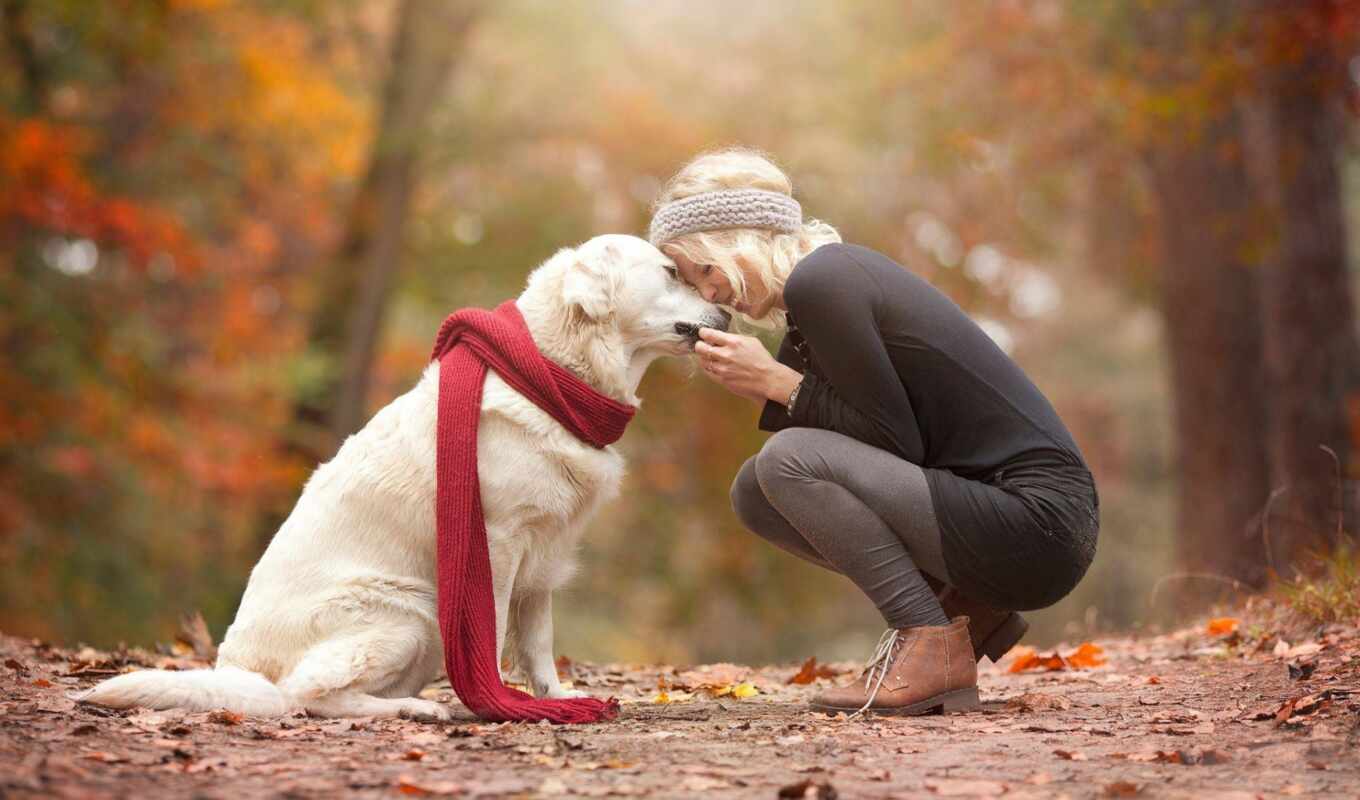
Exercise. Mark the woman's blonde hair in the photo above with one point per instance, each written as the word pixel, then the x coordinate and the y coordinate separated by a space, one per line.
pixel 771 254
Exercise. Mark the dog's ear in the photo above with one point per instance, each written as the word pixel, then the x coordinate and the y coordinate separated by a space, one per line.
pixel 587 288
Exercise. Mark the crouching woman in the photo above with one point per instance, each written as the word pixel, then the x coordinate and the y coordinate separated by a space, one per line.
pixel 910 454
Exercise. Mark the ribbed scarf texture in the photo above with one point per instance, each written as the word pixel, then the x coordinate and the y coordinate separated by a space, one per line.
pixel 469 341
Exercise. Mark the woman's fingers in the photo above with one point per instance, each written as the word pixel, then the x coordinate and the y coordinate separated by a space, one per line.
pixel 708 352
pixel 715 336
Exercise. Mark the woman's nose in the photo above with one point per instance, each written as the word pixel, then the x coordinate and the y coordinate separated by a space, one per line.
pixel 709 292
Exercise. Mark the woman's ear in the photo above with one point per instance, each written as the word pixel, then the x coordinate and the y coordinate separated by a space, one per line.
pixel 586 288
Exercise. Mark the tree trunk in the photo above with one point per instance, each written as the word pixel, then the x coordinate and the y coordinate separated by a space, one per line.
pixel 1311 348
pixel 353 295
pixel 1211 305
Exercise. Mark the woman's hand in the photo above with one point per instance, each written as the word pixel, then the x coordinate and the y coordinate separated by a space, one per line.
pixel 742 366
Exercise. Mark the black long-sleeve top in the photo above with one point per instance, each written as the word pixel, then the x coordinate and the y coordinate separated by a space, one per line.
pixel 891 361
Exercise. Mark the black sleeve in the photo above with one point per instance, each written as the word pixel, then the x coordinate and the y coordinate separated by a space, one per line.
pixel 774 416
pixel 834 301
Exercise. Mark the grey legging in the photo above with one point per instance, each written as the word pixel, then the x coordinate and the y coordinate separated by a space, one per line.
pixel 851 508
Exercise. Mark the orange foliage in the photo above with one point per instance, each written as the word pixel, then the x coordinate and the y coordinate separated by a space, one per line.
pixel 1222 626
pixel 1087 656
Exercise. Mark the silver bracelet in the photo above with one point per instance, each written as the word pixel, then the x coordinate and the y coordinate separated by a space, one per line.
pixel 793 397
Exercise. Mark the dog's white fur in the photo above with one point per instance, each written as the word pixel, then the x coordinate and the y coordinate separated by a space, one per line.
pixel 338 617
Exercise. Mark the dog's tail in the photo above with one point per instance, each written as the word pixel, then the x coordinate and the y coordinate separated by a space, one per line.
pixel 231 688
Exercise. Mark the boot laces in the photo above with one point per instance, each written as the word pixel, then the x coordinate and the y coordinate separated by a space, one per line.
pixel 876 671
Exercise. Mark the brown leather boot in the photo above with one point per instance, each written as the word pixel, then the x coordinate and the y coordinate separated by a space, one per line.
pixel 913 671
pixel 993 631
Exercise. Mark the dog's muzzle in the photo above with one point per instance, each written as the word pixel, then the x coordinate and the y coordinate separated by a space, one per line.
pixel 718 321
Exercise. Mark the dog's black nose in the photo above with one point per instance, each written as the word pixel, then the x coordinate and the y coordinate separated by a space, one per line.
pixel 723 320
pixel 687 329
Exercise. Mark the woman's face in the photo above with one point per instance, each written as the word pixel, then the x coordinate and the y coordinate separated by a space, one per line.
pixel 715 288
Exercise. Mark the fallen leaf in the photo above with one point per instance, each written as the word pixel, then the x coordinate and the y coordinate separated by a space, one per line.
pixel 1222 626
pixel 408 785
pixel 702 783
pixel 1301 670
pixel 193 634
pixel 1070 755
pixel 809 789
pixel 960 788
pixel 1034 701
pixel 1154 680
pixel 107 758
pixel 1086 656
pixel 564 666
pixel 810 671
pixel 413 755
pixel 224 717
pixel 1121 789
pixel 1300 706
pixel 1303 649
pixel 744 690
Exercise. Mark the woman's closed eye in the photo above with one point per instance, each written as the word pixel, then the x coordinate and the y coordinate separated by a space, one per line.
pixel 707 268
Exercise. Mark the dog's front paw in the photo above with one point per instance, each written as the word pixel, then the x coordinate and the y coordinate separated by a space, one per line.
pixel 425 711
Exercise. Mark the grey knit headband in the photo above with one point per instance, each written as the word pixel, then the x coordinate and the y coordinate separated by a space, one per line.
pixel 723 209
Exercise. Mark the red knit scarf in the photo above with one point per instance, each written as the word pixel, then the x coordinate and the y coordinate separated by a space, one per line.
pixel 469 341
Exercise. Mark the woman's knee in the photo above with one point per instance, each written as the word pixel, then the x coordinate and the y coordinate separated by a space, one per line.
pixel 789 454
pixel 748 501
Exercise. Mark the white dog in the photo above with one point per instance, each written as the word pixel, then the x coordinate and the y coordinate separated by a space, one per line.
pixel 338 617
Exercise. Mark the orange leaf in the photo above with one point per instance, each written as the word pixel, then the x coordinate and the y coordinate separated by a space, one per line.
pixel 1222 626
pixel 1087 656
pixel 807 674
pixel 1084 657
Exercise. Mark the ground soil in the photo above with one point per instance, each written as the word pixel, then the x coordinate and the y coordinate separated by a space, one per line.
pixel 1187 714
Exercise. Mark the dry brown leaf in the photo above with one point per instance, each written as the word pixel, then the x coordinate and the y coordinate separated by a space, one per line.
pixel 193 634
pixel 810 789
pixel 961 788
pixel 811 671
pixel 224 717
pixel 408 785
pixel 1070 755
pixel 1034 701
pixel 1121 789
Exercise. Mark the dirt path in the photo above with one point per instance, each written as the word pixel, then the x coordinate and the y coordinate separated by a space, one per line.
pixel 1181 715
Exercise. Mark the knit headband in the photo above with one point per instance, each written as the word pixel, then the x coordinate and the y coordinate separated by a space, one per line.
pixel 727 208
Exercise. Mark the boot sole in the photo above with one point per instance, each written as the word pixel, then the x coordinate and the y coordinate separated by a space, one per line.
pixel 1000 641
pixel 956 700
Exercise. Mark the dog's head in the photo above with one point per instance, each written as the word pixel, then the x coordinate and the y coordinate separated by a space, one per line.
pixel 626 283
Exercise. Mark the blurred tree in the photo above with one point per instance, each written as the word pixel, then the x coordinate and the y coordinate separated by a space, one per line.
pixel 1312 355
pixel 353 293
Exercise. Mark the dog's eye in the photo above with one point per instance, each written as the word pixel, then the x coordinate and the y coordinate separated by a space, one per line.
pixel 671 271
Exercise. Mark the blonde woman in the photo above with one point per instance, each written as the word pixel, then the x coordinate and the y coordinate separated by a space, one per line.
pixel 910 453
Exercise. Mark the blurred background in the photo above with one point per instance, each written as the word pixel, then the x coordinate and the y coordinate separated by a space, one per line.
pixel 229 231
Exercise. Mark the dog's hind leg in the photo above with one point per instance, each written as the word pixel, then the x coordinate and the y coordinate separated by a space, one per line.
pixel 357 675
